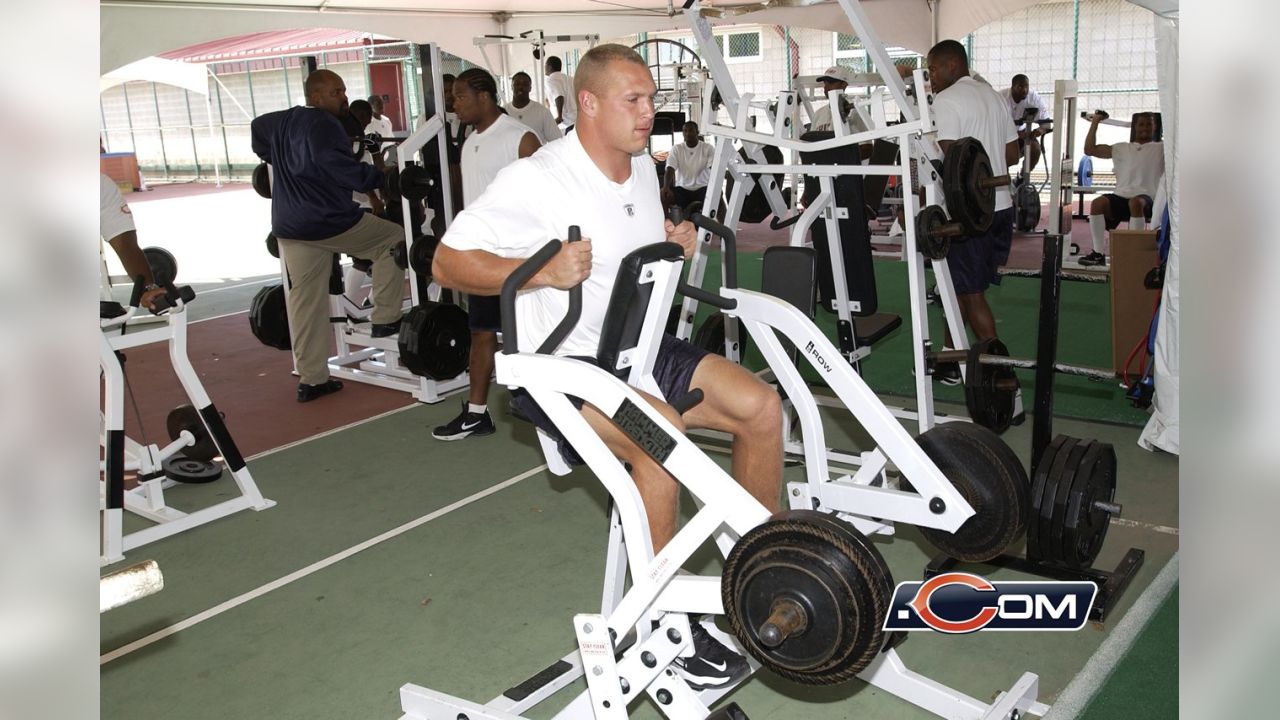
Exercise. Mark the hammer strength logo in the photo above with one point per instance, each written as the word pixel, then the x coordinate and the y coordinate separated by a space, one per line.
pixel 958 603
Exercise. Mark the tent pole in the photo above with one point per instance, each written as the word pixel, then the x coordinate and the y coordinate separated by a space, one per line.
pixel 213 136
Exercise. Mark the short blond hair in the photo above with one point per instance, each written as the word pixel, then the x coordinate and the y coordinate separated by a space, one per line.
pixel 591 74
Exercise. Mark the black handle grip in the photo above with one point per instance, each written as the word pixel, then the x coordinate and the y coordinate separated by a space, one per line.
pixel 566 325
pixel 171 297
pixel 135 297
pixel 675 214
pixel 729 246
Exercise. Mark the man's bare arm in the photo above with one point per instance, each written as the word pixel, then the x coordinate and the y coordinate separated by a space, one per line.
pixel 1091 146
pixel 478 272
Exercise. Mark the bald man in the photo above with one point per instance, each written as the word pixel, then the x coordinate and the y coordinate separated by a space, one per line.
pixel 314 216
pixel 600 178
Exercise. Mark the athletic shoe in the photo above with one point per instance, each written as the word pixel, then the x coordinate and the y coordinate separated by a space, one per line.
pixel 381 330
pixel 948 373
pixel 932 297
pixel 712 665
pixel 465 425
pixel 1093 258
pixel 307 393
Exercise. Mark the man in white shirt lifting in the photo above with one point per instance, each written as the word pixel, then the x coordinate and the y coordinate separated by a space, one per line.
pixel 1022 99
pixel 600 179
pixel 964 108
pixel 534 115
pixel 560 93
pixel 118 231
pixel 1139 166
pixel 688 170
pixel 496 141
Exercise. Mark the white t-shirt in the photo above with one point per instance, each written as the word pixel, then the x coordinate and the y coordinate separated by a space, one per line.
pixel 558 84
pixel 381 125
pixel 536 199
pixel 362 199
pixel 692 164
pixel 822 119
pixel 485 153
pixel 1018 109
pixel 113 212
pixel 1138 168
pixel 972 109
pixel 538 119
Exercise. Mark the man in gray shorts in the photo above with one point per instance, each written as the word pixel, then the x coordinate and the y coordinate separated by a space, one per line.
pixel 312 213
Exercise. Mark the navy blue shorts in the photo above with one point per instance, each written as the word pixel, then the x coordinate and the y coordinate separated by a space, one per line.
pixel 672 369
pixel 975 261
pixel 484 313
pixel 1120 207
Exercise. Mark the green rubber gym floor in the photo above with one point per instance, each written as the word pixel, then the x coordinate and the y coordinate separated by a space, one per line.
pixel 259 619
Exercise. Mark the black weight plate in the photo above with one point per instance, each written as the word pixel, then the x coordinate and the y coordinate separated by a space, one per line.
pixel 421 253
pixel 1038 481
pixel 180 468
pixel 988 405
pixel 929 219
pixel 989 477
pixel 1086 525
pixel 1050 491
pixel 273 245
pixel 185 417
pixel 414 182
pixel 435 341
pixel 1027 202
pixel 1056 506
pixel 262 181
pixel 164 266
pixel 983 199
pixel 710 336
pixel 400 255
pixel 831 571
pixel 269 319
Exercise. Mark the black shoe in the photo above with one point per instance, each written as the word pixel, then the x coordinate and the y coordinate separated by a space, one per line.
pixel 932 297
pixel 712 665
pixel 381 330
pixel 948 373
pixel 1093 258
pixel 307 393
pixel 465 425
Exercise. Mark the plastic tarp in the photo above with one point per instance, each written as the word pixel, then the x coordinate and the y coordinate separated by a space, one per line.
pixel 1162 430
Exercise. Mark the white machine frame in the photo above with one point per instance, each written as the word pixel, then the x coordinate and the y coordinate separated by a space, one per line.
pixel 659 593
pixel 123 454
pixel 539 41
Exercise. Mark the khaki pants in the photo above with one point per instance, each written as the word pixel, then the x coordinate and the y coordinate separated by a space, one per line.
pixel 309 263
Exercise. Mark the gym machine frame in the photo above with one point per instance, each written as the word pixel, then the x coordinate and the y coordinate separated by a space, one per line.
pixel 375 361
pixel 539 40
pixel 123 454
pixel 656 606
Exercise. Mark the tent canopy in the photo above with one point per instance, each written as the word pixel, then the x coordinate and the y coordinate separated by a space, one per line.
pixel 154 69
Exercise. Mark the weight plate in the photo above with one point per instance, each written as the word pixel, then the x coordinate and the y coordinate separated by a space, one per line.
pixel 829 570
pixel 273 245
pixel 421 253
pixel 989 476
pixel 262 180
pixel 185 417
pixel 180 468
pixel 989 405
pixel 1056 506
pixel 435 340
pixel 929 219
pixel 269 319
pixel 964 167
pixel 1027 201
pixel 1038 480
pixel 414 182
pixel 400 255
pixel 1086 524
pixel 164 267
pixel 1044 508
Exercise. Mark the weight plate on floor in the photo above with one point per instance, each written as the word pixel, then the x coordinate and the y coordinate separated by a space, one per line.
pixel 1038 480
pixel 435 340
pixel 185 417
pixel 1052 542
pixel 1086 524
pixel 268 318
pixel 1044 507
pixel 180 468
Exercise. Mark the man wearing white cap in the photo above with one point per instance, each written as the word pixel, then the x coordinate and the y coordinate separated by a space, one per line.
pixel 835 78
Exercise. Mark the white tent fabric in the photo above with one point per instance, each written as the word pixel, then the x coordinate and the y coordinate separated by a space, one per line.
pixel 154 69
pixel 1162 430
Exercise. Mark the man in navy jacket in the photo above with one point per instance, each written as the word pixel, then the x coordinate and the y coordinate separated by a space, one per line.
pixel 314 172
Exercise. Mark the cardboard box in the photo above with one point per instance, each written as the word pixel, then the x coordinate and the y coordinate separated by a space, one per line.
pixel 122 168
pixel 1133 255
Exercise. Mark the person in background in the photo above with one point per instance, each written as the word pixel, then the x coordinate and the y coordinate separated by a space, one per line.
pixel 688 170
pixel 560 93
pixel 1139 167
pixel 534 115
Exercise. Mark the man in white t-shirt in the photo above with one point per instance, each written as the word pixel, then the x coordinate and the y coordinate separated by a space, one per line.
pixel 380 123
pixel 496 141
pixel 688 170
pixel 964 107
pixel 1139 166
pixel 362 112
pixel 835 78
pixel 534 115
pixel 1022 102
pixel 600 179
pixel 561 94
pixel 117 229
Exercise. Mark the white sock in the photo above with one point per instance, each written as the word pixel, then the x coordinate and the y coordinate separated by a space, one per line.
pixel 477 409
pixel 1098 228
pixel 1137 223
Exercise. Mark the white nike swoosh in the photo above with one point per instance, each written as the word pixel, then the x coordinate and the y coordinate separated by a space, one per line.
pixel 468 426
pixel 721 666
